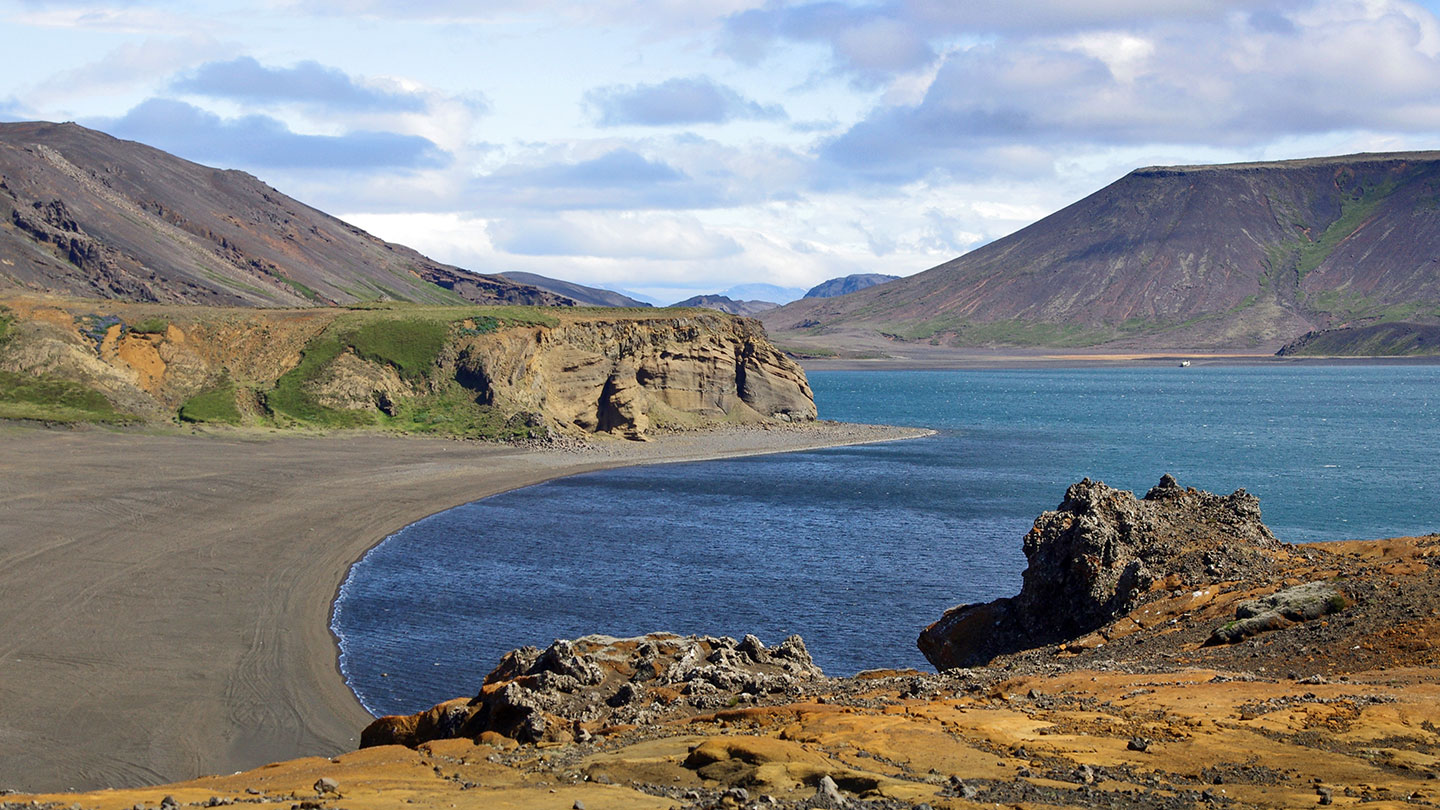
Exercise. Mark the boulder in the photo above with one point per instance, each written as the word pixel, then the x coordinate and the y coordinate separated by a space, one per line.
pixel 1280 610
pixel 593 682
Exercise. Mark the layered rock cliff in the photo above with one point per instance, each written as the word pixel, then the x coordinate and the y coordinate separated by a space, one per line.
pixel 466 371
pixel 625 376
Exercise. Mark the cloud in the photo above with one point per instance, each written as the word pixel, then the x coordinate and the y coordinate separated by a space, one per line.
pixel 111 17
pixel 309 82
pixel 869 42
pixel 12 110
pixel 875 42
pixel 262 141
pixel 693 100
pixel 609 236
pixel 1336 67
pixel 129 64
pixel 620 179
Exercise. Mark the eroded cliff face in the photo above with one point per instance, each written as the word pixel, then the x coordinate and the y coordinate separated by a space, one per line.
pixel 506 372
pixel 626 377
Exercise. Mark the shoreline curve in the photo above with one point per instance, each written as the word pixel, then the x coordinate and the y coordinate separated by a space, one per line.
pixel 169 597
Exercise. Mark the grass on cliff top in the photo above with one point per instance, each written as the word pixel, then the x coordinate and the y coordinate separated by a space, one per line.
pixel 216 405
pixel 51 399
pixel 409 339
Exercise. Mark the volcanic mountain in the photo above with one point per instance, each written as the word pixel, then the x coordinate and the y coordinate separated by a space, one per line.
pixel 84 214
pixel 1240 256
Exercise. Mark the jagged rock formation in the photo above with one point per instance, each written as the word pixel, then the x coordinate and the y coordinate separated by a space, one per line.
pixel 85 214
pixel 1244 256
pixel 573 688
pixel 1100 555
pixel 836 287
pixel 471 372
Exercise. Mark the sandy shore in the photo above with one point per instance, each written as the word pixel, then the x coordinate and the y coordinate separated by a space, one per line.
pixel 166 598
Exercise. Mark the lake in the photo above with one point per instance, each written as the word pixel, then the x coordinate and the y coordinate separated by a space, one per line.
pixel 858 548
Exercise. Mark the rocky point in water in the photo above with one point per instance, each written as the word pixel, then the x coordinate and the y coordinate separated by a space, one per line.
pixel 1100 555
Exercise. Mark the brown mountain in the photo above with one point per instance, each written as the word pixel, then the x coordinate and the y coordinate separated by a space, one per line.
pixel 724 303
pixel 1195 257
pixel 85 214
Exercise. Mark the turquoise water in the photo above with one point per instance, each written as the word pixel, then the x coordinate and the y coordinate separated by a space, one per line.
pixel 858 548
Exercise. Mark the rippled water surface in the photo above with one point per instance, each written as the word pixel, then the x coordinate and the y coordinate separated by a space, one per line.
pixel 858 548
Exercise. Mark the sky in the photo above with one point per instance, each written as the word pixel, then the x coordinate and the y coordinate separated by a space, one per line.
pixel 679 147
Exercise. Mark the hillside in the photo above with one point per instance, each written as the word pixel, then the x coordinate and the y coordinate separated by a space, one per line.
pixel 85 214
pixel 1243 256
pixel 488 372
pixel 1378 340
pixel 579 293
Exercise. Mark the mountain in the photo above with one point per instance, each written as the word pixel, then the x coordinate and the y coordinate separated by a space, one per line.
pixel 579 293
pixel 845 285
pixel 764 292
pixel 85 214
pixel 1197 257
pixel 725 304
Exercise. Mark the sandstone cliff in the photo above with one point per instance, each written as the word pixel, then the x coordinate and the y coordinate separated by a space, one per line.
pixel 496 372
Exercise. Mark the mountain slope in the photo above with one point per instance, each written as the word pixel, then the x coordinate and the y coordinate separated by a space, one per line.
pixel 579 293
pixel 835 287
pixel 722 303
pixel 82 213
pixel 1231 256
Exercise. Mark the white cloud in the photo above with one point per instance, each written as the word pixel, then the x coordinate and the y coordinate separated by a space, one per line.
pixel 626 236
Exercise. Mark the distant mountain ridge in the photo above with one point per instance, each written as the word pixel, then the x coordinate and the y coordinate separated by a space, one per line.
pixel 1199 257
pixel 723 303
pixel 579 293
pixel 85 214
pixel 835 287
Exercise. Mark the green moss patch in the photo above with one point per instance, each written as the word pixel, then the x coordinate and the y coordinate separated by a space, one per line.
pixel 150 326
pixel 291 398
pixel 411 345
pixel 51 399
pixel 452 411
pixel 216 405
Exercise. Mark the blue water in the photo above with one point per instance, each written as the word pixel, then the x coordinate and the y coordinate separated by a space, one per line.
pixel 858 548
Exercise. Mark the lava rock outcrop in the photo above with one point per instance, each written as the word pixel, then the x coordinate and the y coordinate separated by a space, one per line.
pixel 1099 556
pixel 573 687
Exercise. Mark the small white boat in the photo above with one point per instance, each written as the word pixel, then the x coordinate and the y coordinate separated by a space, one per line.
pixel 1184 364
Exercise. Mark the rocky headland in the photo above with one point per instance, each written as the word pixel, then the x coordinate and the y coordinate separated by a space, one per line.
pixel 474 372
pixel 1164 651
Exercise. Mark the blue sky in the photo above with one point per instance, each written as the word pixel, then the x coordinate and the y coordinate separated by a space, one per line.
pixel 682 147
